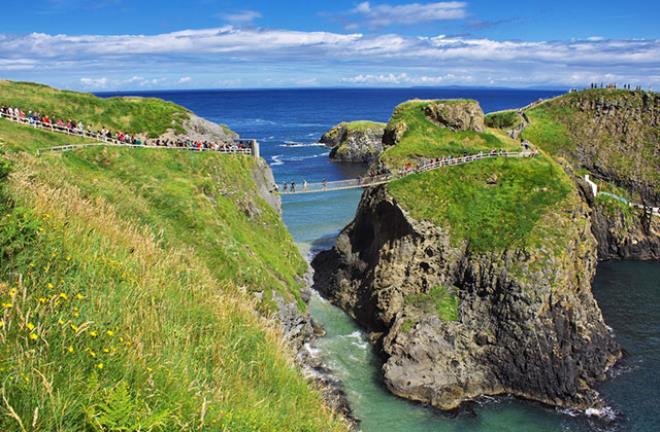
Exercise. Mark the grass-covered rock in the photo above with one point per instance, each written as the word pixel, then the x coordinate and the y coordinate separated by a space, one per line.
pixel 150 117
pixel 356 141
pixel 126 282
pixel 615 133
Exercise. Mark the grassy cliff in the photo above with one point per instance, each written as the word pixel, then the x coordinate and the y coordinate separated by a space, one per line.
pixel 614 133
pixel 420 137
pixel 492 204
pixel 135 115
pixel 125 279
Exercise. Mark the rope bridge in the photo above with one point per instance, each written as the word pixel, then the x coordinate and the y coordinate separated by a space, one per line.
pixel 363 182
pixel 239 146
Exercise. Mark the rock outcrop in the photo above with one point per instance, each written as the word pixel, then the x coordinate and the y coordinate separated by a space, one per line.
pixel 358 141
pixel 200 129
pixel 456 115
pixel 525 323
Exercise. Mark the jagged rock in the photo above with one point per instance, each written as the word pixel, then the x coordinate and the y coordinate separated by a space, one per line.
pixel 527 324
pixel 457 115
pixel 355 141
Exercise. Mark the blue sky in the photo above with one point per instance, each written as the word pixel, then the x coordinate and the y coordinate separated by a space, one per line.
pixel 149 44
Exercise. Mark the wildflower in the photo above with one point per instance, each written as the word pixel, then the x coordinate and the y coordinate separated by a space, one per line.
pixel 110 333
pixel 68 258
pixel 106 350
pixel 93 333
pixel 70 349
pixel 12 292
pixel 74 328
pixel 43 300
pixel 60 322
pixel 50 285
pixel 34 336
pixel 100 365
pixel 76 314
pixel 92 354
pixel 121 339
pixel 80 296
pixel 31 265
pixel 149 369
pixel 2 324
pixel 7 305
pixel 30 326
pixel 64 296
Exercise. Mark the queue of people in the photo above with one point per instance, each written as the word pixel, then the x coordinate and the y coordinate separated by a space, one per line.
pixel 75 127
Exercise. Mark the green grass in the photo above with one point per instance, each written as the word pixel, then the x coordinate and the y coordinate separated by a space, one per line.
pixel 134 115
pixel 361 125
pixel 492 204
pixel 440 300
pixel 424 139
pixel 503 119
pixel 123 278
pixel 548 131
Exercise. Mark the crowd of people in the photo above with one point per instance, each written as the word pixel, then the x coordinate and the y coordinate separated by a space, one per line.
pixel 76 127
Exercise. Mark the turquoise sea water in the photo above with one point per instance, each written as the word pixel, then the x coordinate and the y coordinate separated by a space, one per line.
pixel 288 124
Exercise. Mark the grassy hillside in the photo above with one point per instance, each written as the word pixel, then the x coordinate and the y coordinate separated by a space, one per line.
pixel 124 280
pixel 612 132
pixel 493 204
pixel 134 115
pixel 424 139
pixel 360 125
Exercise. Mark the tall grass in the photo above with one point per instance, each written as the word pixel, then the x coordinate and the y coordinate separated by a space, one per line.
pixel 117 315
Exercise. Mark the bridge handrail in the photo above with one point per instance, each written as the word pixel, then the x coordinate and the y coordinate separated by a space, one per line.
pixel 105 141
pixel 385 178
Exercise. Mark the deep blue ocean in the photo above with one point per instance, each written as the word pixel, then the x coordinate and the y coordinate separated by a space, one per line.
pixel 288 124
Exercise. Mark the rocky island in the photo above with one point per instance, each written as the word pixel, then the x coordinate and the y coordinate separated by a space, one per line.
pixel 475 279
pixel 356 141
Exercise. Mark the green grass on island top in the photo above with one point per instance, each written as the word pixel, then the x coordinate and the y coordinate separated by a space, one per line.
pixel 134 115
pixel 425 139
pixel 493 204
pixel 503 119
pixel 360 125
pixel 124 280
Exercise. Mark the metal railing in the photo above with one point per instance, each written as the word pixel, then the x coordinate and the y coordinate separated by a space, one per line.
pixel 109 141
pixel 363 182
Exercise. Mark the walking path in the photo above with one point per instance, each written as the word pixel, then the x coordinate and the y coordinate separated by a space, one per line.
pixel 239 146
pixel 364 182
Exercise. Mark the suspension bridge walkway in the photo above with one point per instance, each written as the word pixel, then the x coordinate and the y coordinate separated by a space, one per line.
pixel 291 188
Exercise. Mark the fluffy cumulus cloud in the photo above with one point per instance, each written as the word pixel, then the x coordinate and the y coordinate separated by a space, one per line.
pixel 281 57
pixel 383 15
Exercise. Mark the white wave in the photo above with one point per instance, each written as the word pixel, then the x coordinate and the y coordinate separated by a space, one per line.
pixel 301 158
pixel 358 339
pixel 606 413
pixel 299 144
pixel 276 160
pixel 313 351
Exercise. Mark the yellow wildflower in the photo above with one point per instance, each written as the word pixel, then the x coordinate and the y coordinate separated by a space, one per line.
pixel 74 328
pixel 80 296
pixel 121 339
pixel 106 350
pixel 92 354
pixel 93 333
pixel 34 336
pixel 70 349
pixel 110 333
pixel 60 322
pixel 100 365
pixel 43 300
pixel 31 265
pixel 149 369
pixel 64 296
pixel 2 324
pixel 68 258
pixel 7 305
pixel 30 326
pixel 76 314
pixel 50 285
pixel 12 292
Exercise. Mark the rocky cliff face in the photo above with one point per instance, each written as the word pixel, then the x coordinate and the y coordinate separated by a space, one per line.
pixel 456 115
pixel 525 322
pixel 355 141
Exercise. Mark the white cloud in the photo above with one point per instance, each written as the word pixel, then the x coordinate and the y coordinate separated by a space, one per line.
pixel 383 15
pixel 404 78
pixel 252 55
pixel 185 79
pixel 241 17
pixel 94 83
